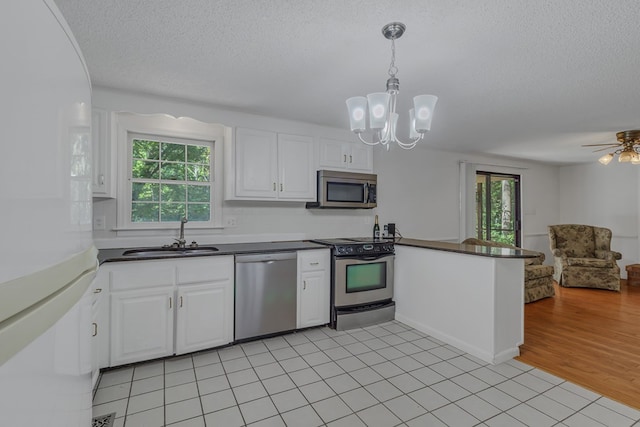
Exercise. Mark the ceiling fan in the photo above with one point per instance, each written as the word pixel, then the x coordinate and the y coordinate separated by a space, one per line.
pixel 627 148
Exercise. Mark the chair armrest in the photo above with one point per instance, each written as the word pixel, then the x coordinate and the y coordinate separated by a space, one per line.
pixel 608 255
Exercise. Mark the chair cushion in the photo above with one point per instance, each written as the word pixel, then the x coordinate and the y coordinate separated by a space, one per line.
pixel 536 271
pixel 576 241
pixel 588 262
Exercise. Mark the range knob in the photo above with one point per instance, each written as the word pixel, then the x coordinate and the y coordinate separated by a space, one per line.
pixel 349 249
pixel 340 249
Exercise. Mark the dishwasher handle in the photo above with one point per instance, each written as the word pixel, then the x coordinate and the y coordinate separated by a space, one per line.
pixel 266 257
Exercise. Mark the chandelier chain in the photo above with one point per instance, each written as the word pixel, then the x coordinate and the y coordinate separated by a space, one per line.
pixel 393 70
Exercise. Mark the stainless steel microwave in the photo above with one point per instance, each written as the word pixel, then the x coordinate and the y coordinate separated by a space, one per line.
pixel 345 190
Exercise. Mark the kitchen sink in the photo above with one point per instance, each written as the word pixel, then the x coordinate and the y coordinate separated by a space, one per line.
pixel 171 251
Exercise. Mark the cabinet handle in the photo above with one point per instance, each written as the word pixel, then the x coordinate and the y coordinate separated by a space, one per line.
pixel 345 158
pixel 274 186
pixel 314 263
pixel 180 301
pixel 97 290
pixel 101 179
pixel 95 329
pixel 281 187
pixel 350 158
pixel 304 284
pixel 170 302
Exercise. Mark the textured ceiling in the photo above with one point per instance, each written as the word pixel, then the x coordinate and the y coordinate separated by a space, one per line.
pixel 517 78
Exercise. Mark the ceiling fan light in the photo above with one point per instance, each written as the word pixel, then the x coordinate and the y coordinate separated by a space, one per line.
pixel 606 159
pixel 626 156
pixel 635 160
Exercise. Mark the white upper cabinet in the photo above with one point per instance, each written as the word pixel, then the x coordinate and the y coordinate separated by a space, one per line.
pixel 256 164
pixel 341 155
pixel 103 160
pixel 264 165
pixel 296 174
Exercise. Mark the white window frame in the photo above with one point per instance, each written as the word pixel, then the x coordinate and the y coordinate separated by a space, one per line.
pixel 162 125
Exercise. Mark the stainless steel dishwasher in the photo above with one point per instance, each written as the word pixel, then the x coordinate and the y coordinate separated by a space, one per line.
pixel 266 291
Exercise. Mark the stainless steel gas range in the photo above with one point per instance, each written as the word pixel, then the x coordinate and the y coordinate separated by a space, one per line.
pixel 361 282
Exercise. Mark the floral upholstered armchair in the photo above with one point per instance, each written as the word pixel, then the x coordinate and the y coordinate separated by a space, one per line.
pixel 583 257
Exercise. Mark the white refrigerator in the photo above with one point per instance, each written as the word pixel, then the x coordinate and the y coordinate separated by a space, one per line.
pixel 47 257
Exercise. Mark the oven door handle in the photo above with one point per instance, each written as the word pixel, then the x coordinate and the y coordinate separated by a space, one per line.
pixel 368 258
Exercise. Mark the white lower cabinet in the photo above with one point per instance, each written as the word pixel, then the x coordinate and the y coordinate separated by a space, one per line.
pixel 165 307
pixel 313 288
pixel 205 304
pixel 141 325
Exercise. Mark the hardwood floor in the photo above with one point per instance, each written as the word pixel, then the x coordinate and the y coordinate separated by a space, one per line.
pixel 588 336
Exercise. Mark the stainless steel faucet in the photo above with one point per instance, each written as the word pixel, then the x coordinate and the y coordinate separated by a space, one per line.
pixel 181 241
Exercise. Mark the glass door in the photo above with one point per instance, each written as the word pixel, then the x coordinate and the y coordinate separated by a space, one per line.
pixel 498 215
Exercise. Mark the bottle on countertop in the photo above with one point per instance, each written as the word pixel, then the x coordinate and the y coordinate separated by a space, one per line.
pixel 376 229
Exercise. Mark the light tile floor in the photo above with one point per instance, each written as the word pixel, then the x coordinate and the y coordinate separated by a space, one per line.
pixel 383 376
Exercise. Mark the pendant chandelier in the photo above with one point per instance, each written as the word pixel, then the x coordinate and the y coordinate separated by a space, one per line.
pixel 627 148
pixel 383 118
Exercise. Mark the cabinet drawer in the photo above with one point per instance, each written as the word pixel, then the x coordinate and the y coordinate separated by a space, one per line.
pixel 142 274
pixel 313 260
pixel 205 269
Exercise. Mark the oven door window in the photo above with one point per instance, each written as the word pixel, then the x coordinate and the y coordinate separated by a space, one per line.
pixel 345 192
pixel 366 277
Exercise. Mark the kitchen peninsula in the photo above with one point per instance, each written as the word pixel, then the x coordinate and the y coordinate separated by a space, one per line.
pixel 471 297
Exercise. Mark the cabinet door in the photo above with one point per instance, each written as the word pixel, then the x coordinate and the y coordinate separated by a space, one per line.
pixel 332 155
pixel 100 309
pixel 313 287
pixel 95 342
pixel 256 164
pixel 101 152
pixel 141 325
pixel 360 157
pixel 295 166
pixel 342 155
pixel 204 316
pixel 313 305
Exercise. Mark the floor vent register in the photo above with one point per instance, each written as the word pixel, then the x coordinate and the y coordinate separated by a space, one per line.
pixel 104 420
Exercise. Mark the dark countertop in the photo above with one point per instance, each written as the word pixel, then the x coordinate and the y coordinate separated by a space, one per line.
pixel 116 255
pixel 489 251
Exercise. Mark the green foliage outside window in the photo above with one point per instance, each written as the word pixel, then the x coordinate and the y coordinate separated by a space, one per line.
pixel 170 181
pixel 501 209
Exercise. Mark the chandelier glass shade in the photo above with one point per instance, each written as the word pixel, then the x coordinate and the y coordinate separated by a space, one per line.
pixel 381 106
pixel 627 148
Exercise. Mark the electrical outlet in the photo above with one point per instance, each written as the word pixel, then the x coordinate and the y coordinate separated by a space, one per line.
pixel 99 223
pixel 230 221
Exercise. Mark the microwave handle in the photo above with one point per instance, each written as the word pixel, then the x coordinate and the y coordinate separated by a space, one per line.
pixel 366 192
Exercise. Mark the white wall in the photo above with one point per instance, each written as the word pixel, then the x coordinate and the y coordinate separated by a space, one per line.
pixel 256 221
pixel 606 196
pixel 420 192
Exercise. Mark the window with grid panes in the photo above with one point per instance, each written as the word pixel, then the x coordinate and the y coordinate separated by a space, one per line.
pixel 170 179
pixel 172 169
